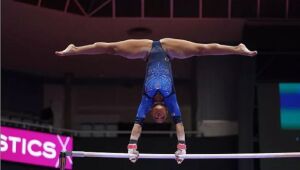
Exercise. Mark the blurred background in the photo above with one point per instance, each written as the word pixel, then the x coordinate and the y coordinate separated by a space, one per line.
pixel 230 104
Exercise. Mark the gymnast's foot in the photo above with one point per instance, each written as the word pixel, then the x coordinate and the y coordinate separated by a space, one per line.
pixel 243 50
pixel 68 51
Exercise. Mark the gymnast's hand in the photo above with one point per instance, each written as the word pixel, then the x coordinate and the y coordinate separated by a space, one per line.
pixel 181 151
pixel 133 152
pixel 70 50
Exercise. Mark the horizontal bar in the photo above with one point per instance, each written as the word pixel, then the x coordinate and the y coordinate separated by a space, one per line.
pixel 93 132
pixel 187 156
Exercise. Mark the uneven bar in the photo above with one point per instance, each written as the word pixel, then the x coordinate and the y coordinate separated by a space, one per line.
pixel 188 156
pixel 63 155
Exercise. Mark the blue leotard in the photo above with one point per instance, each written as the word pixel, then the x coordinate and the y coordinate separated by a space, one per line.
pixel 158 79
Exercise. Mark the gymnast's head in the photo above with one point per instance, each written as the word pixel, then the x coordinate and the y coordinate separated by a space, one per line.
pixel 159 111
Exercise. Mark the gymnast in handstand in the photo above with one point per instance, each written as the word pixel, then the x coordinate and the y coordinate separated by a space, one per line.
pixel 159 97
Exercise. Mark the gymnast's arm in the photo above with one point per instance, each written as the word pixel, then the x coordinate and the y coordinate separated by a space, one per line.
pixel 130 49
pixel 136 132
pixel 132 146
pixel 181 147
pixel 180 132
pixel 182 49
pixel 143 109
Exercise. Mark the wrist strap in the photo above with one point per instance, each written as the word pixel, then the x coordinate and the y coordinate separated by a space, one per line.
pixel 133 141
pixel 181 141
pixel 132 146
pixel 181 146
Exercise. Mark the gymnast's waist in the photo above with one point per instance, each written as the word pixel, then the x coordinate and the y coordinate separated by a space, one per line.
pixel 151 93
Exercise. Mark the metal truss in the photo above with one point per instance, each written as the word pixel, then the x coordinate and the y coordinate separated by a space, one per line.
pixel 99 7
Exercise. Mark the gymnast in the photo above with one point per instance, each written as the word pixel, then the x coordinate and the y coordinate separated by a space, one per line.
pixel 159 97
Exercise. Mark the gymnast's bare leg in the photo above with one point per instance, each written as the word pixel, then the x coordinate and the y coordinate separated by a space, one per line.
pixel 138 49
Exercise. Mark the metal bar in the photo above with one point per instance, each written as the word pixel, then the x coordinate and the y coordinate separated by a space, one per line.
pixel 258 9
pixel 99 7
pixel 229 8
pixel 200 8
pixel 62 160
pixel 67 5
pixel 39 3
pixel 142 8
pixel 114 8
pixel 189 156
pixel 78 132
pixel 80 7
pixel 171 8
pixel 287 3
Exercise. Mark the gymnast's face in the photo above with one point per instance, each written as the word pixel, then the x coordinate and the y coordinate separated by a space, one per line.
pixel 159 111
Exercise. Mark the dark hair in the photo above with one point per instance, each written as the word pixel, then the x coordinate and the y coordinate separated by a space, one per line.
pixel 159 103
pixel 162 104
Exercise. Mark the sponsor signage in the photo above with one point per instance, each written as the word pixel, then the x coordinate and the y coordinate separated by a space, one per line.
pixel 24 146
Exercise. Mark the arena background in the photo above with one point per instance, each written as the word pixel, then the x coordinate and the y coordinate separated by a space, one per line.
pixel 230 104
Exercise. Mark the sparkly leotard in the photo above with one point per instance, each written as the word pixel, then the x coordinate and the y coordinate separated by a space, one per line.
pixel 158 79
